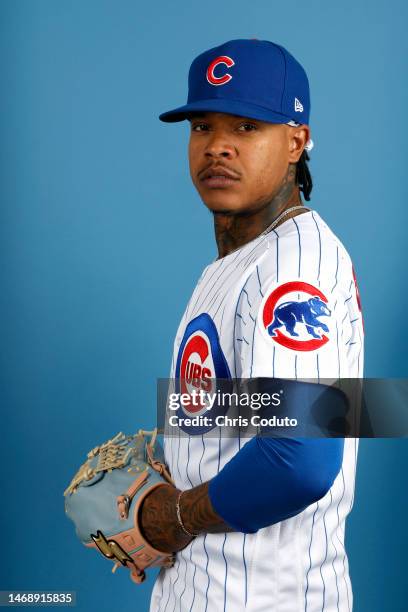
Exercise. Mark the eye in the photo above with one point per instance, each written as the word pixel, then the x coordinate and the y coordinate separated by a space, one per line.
pixel 247 127
pixel 199 127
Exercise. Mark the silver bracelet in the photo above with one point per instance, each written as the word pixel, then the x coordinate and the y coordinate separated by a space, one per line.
pixel 191 535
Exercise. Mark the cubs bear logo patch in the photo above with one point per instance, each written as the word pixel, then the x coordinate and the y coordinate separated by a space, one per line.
pixel 295 315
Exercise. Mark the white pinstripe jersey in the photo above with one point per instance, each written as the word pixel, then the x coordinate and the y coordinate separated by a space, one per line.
pixel 299 564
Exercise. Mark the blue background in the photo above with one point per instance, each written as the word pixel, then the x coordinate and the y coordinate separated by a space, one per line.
pixel 103 239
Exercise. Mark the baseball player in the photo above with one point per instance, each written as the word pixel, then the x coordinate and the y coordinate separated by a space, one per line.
pixel 258 524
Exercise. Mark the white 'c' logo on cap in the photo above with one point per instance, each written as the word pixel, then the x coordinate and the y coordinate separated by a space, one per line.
pixel 211 78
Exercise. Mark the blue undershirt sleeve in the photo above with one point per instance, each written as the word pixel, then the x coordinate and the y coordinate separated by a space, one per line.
pixel 272 479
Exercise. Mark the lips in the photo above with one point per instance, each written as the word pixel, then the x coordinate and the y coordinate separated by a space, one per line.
pixel 219 176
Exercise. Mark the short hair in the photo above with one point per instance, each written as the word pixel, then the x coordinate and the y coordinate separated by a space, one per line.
pixel 303 176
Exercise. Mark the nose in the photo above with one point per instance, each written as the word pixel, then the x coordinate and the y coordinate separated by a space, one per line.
pixel 219 145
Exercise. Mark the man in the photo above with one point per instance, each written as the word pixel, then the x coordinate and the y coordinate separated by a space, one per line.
pixel 258 524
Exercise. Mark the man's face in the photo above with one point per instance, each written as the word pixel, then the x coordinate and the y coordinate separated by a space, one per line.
pixel 238 164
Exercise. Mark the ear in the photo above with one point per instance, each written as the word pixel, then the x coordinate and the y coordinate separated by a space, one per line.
pixel 298 138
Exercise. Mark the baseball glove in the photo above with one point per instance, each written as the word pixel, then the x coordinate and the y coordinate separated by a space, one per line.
pixel 105 496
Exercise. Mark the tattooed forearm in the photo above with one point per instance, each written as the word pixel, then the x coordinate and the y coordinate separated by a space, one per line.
pixel 198 513
pixel 159 522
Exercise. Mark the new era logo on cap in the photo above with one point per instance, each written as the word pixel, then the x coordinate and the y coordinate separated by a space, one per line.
pixel 298 106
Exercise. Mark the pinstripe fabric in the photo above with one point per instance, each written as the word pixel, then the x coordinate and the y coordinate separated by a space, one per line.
pixel 298 565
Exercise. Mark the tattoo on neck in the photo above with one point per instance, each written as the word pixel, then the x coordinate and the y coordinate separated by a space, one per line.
pixel 234 230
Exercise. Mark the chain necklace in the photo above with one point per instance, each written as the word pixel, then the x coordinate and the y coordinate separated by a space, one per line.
pixel 279 217
pixel 271 226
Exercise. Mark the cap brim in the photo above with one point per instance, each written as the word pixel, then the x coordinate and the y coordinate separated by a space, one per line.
pixel 220 105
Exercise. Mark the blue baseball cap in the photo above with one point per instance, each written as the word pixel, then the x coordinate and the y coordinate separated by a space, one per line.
pixel 248 77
